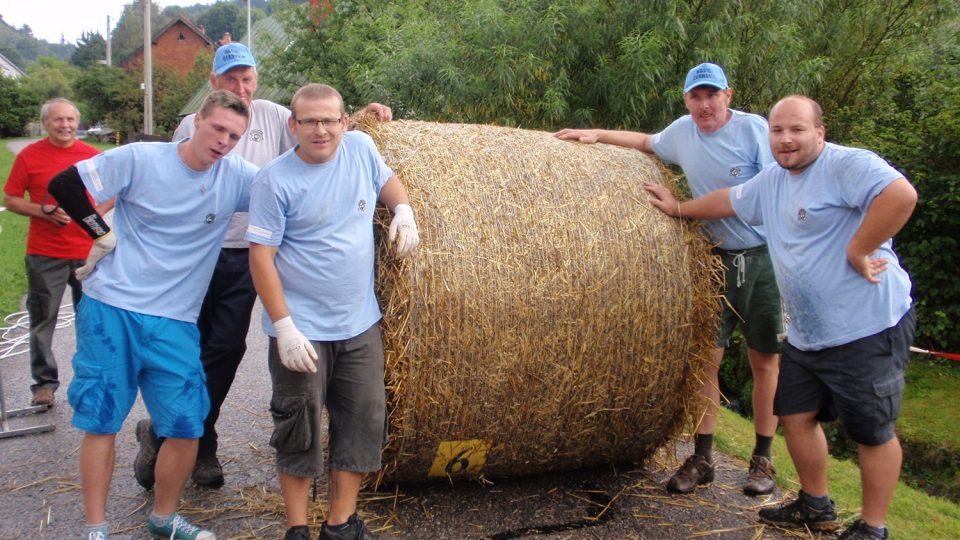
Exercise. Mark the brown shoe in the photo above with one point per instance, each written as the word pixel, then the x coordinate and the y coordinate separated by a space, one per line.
pixel 695 470
pixel 762 478
pixel 42 396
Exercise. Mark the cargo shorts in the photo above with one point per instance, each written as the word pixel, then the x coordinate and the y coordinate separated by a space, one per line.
pixel 349 383
pixel 860 382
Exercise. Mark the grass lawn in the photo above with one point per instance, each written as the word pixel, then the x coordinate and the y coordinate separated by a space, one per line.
pixel 13 242
pixel 913 514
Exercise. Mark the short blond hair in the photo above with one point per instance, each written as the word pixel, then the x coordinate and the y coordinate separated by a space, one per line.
pixel 316 91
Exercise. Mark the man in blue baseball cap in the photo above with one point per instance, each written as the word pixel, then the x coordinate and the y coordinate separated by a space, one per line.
pixel 225 315
pixel 719 147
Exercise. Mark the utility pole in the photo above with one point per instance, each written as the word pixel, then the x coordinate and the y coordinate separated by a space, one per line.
pixel 108 41
pixel 249 30
pixel 147 72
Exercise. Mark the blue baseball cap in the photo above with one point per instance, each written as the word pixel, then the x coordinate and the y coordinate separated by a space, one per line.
pixel 232 55
pixel 705 74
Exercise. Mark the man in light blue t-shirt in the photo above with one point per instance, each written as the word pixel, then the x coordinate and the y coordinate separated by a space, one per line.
pixel 719 147
pixel 136 323
pixel 312 260
pixel 830 214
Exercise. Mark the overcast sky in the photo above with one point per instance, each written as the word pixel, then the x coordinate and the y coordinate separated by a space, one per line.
pixel 49 19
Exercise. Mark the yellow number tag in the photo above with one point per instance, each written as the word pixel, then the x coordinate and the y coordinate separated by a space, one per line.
pixel 460 458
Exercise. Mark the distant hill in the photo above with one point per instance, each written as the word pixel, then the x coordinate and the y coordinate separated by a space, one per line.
pixel 21 48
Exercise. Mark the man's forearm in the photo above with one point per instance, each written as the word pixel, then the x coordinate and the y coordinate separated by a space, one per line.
pixel 266 280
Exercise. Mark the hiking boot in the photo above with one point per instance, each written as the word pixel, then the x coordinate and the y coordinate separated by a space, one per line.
pixel 859 531
pixel 178 527
pixel 42 396
pixel 208 473
pixel 695 470
pixel 355 530
pixel 146 459
pixel 797 514
pixel 762 477
pixel 299 532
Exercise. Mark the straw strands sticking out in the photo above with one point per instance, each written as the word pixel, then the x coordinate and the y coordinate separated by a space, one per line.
pixel 550 319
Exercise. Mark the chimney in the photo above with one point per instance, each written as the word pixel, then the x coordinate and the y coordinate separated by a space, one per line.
pixel 226 38
pixel 202 30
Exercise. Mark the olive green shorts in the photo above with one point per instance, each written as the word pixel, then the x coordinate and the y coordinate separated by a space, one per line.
pixel 751 299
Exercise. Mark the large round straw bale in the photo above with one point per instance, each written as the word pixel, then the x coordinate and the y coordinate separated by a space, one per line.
pixel 551 317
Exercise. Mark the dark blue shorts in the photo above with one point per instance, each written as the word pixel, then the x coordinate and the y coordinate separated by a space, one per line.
pixel 860 382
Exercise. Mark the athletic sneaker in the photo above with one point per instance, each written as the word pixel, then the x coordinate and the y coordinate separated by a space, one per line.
pixel 355 530
pixel 761 480
pixel 177 527
pixel 695 470
pixel 96 535
pixel 859 531
pixel 208 472
pixel 146 460
pixel 797 514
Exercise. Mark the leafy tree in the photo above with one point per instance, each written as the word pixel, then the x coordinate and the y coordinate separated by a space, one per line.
pixel 128 34
pixel 48 78
pixel 15 109
pixel 91 49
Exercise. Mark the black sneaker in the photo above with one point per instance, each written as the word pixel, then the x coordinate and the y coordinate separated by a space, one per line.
pixel 146 460
pixel 207 472
pixel 355 530
pixel 695 470
pixel 298 532
pixel 797 514
pixel 859 531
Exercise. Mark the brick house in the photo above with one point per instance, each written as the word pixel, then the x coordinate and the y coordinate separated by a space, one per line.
pixel 175 46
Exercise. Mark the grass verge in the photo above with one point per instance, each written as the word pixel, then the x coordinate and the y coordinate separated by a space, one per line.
pixel 13 244
pixel 913 513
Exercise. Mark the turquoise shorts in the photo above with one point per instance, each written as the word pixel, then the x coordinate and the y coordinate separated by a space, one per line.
pixel 119 351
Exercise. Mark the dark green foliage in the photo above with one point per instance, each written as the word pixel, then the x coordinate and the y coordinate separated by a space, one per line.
pixel 91 49
pixel 15 110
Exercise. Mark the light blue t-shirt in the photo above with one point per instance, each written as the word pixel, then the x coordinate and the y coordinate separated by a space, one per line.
pixel 321 219
pixel 810 218
pixel 169 221
pixel 725 158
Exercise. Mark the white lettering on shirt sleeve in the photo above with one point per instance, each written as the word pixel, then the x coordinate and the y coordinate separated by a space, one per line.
pixel 259 231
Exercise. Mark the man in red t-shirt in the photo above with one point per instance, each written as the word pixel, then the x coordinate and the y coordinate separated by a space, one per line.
pixel 56 247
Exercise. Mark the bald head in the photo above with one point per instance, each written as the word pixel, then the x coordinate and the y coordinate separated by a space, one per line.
pixel 796 132
pixel 812 107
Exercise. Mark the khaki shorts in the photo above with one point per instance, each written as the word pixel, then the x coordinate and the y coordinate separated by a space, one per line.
pixel 349 383
pixel 752 299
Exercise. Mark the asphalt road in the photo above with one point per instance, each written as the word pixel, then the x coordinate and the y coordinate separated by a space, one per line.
pixel 40 487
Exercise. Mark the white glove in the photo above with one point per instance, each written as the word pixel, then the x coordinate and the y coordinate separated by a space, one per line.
pixel 404 224
pixel 296 351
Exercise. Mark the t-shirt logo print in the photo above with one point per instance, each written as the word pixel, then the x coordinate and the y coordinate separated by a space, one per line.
pixel 734 171
pixel 210 218
pixel 256 135
pixel 802 214
pixel 361 206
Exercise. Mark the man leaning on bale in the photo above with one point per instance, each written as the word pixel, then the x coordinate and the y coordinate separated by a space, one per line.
pixel 312 258
pixel 830 214
pixel 718 147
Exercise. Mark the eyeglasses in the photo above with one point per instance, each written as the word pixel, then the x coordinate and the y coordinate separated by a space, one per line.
pixel 312 123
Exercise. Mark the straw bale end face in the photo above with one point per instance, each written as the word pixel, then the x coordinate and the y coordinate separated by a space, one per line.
pixel 551 317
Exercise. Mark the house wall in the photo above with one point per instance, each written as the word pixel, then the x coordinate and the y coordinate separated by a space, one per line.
pixel 172 52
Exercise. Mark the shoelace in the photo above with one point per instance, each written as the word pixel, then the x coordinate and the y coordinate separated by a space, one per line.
pixel 182 524
pixel 740 263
